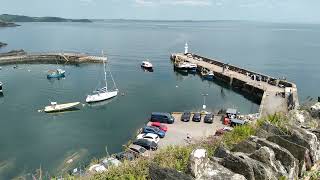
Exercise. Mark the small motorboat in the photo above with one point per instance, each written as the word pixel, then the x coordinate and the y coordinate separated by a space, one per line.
pixel 1 86
pixel 55 107
pixel 58 73
pixel 207 75
pixel 146 65
pixel 192 67
pixel 182 66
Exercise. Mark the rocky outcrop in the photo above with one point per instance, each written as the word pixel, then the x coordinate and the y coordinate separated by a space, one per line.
pixel 7 24
pixel 13 53
pixel 2 44
pixel 159 173
pixel 200 167
pixel 288 150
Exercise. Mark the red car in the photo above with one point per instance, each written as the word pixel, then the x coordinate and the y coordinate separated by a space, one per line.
pixel 159 125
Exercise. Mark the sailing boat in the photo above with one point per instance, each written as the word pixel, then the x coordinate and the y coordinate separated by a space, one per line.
pixel 103 93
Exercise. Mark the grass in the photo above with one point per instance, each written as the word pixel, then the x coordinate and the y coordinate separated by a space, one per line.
pixel 137 169
pixel 238 134
pixel 175 157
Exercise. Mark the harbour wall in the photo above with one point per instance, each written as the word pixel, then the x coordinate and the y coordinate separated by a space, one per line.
pixel 22 57
pixel 273 94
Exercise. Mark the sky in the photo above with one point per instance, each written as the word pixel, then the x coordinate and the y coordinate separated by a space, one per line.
pixel 256 10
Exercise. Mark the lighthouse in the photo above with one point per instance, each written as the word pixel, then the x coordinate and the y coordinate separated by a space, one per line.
pixel 186 48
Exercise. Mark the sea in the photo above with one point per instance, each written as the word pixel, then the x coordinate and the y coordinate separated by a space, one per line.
pixel 56 143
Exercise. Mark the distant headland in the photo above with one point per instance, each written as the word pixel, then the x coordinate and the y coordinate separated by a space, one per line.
pixel 7 24
pixel 9 18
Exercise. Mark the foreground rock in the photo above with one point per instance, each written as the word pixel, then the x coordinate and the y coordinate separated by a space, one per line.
pixel 200 167
pixel 158 173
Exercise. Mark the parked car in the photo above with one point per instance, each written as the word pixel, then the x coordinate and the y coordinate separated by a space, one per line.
pixel 149 145
pixel 139 150
pixel 185 117
pixel 125 155
pixel 159 125
pixel 196 117
pixel 162 117
pixel 208 118
pixel 150 137
pixel 154 130
pixel 221 131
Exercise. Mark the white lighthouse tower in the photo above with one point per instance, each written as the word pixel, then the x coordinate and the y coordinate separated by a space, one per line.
pixel 186 48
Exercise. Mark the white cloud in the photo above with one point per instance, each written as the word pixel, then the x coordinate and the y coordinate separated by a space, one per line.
pixel 173 2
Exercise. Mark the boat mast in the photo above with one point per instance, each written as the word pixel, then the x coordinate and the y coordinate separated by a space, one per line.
pixel 104 69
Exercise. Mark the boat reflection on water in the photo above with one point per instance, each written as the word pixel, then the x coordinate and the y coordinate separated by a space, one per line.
pixel 74 109
pixel 147 69
pixel 180 72
pixel 101 104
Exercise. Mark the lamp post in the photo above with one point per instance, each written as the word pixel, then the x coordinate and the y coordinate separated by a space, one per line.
pixel 204 101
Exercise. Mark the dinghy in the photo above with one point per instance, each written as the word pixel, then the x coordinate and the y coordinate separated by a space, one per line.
pixel 146 64
pixel 58 73
pixel 55 107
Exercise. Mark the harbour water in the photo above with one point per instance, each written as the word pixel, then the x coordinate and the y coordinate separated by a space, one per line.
pixel 30 139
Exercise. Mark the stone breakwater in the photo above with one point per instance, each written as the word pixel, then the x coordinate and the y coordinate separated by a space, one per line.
pixel 273 153
pixel 22 57
pixel 273 94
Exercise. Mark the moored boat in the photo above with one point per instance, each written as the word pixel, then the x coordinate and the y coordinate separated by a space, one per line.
pixel 207 75
pixel 103 93
pixel 1 86
pixel 55 107
pixel 146 65
pixel 192 67
pixel 58 73
pixel 185 66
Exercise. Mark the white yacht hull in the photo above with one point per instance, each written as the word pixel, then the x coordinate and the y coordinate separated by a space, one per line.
pixel 101 96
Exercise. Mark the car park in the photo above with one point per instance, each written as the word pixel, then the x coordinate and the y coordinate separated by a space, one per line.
pixel 208 118
pixel 159 125
pixel 138 150
pixel 125 155
pixel 185 117
pixel 149 145
pixel 162 117
pixel 154 130
pixel 149 136
pixel 196 117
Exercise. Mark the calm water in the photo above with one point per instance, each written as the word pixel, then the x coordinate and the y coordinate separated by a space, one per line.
pixel 29 139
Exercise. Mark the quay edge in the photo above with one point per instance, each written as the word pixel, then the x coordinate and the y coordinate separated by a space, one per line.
pixel 275 95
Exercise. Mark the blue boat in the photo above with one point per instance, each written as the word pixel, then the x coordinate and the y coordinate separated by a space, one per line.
pixel 58 73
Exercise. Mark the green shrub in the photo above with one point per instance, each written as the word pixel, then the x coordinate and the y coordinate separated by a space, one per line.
pixel 175 157
pixel 137 169
pixel 238 134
